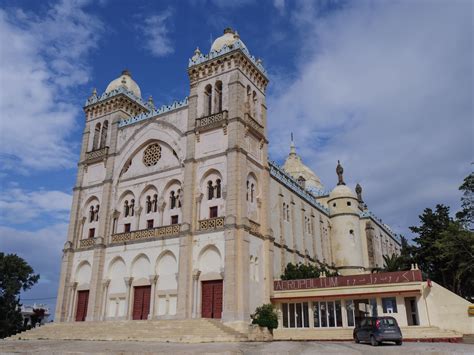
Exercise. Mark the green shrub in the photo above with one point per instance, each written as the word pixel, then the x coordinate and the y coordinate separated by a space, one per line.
pixel 265 316
pixel 309 271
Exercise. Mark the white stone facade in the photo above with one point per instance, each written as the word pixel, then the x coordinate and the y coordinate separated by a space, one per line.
pixel 173 197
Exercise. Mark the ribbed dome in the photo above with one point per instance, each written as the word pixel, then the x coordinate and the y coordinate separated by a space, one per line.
pixel 295 167
pixel 342 191
pixel 227 39
pixel 125 80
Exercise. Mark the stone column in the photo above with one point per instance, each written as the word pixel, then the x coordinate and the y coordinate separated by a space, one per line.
pixel 139 211
pixel 188 226
pixel 64 292
pixel 72 301
pixel 128 306
pixel 105 286
pixel 95 291
pixel 153 281
pixel 196 275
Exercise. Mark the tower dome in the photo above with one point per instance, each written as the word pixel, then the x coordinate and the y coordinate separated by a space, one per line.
pixel 125 80
pixel 227 39
pixel 302 173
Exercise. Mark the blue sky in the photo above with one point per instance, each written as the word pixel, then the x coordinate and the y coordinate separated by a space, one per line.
pixel 384 86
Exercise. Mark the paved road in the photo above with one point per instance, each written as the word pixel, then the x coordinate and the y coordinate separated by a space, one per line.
pixel 278 347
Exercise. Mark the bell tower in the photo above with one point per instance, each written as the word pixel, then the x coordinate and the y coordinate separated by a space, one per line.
pixel 227 121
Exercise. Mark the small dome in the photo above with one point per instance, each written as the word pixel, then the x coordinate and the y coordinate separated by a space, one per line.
pixel 342 191
pixel 227 39
pixel 127 82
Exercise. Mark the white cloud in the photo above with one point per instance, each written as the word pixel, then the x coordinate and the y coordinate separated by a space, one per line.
pixel 42 250
pixel 156 29
pixel 279 5
pixel 386 87
pixel 18 206
pixel 41 57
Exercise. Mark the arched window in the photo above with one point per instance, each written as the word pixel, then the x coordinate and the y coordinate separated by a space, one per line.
pixel 95 144
pixel 248 184
pixel 252 191
pixel 219 96
pixel 148 204
pixel 126 208
pixel 155 202
pixel 103 136
pixel 172 200
pixel 218 188
pixel 96 213
pixel 208 99
pixel 287 212
pixel 210 190
pixel 132 207
pixel 91 214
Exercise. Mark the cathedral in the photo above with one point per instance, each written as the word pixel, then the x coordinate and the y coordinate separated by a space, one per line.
pixel 179 213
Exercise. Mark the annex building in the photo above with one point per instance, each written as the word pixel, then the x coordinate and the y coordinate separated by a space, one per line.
pixel 178 213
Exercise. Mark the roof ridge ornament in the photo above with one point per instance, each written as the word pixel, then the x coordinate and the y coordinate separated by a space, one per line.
pixel 292 146
pixel 340 172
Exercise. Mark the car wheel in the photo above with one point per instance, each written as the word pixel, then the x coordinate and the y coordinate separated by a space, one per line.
pixel 356 339
pixel 399 342
pixel 373 341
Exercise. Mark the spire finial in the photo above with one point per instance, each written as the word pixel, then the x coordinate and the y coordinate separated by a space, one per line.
pixel 292 146
pixel 126 72
pixel 151 102
pixel 94 92
pixel 339 172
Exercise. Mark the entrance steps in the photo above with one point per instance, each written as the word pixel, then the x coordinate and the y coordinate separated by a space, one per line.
pixel 415 333
pixel 183 331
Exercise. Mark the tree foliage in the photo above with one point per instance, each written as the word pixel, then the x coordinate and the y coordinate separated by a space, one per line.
pixel 15 275
pixel 400 262
pixel 265 316
pixel 444 250
pixel 466 215
pixel 303 271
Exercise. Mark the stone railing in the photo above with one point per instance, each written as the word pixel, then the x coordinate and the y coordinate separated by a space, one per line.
pixel 211 121
pixel 86 243
pixel 254 228
pixel 97 154
pixel 254 124
pixel 211 223
pixel 164 231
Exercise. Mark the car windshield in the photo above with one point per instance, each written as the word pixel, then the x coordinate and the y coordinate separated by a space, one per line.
pixel 389 322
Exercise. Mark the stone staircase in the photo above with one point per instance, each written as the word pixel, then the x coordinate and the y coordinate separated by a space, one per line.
pixel 468 338
pixel 182 331
pixel 429 334
pixel 434 334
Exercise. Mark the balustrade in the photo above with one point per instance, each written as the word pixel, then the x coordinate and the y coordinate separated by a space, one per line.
pixel 211 121
pixel 211 223
pixel 163 231
pixel 97 154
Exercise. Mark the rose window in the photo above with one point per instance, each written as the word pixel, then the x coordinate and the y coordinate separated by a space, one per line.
pixel 152 154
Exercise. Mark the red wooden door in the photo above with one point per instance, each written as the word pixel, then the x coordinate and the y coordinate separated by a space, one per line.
pixel 82 303
pixel 217 300
pixel 211 299
pixel 141 302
